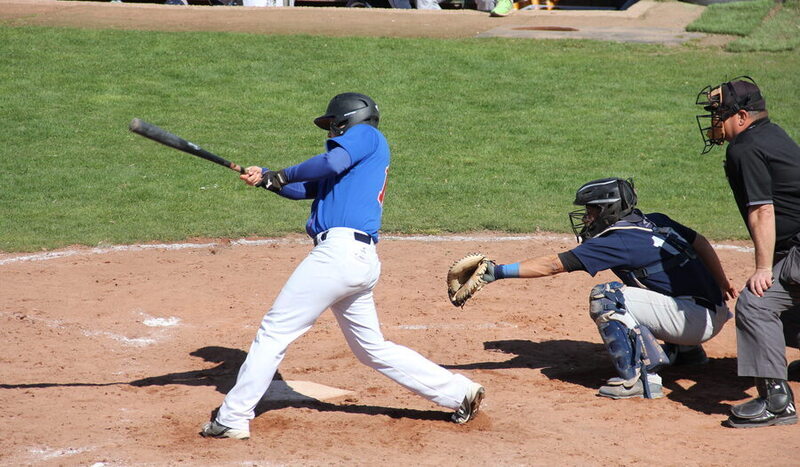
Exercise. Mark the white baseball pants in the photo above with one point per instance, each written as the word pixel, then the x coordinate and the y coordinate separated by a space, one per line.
pixel 339 273
pixel 676 320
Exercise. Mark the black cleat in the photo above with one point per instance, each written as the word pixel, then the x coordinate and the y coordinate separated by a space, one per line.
pixel 793 371
pixel 773 406
pixel 684 355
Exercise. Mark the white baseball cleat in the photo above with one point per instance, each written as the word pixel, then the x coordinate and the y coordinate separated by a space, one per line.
pixel 471 404
pixel 217 430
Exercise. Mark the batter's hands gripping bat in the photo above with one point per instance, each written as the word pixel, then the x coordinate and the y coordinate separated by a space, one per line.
pixel 162 136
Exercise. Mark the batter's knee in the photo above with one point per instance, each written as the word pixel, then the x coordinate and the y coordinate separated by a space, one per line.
pixel 371 354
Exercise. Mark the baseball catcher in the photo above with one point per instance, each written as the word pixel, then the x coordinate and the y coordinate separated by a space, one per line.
pixel 671 285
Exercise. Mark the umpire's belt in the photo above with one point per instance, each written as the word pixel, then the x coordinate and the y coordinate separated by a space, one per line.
pixel 358 236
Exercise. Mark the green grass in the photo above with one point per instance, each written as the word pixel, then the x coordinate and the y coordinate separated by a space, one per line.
pixel 486 134
pixel 735 18
pixel 780 31
pixel 765 25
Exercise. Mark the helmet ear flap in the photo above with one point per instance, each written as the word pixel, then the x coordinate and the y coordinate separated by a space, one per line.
pixel 627 194
pixel 347 110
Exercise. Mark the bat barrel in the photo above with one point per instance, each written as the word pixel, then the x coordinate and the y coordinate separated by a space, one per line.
pixel 166 138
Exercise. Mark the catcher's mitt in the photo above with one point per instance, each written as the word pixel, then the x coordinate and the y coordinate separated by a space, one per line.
pixel 466 276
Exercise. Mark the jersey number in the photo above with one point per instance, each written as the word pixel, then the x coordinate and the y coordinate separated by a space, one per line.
pixel 382 193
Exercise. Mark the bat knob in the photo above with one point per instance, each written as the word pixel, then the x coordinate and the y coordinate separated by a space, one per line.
pixel 136 124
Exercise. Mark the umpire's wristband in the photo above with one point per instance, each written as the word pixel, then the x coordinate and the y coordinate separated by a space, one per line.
pixel 506 271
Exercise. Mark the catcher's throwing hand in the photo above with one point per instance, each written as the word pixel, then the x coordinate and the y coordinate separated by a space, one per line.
pixel 467 276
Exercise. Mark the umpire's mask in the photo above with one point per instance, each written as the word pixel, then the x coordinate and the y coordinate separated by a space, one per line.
pixel 723 101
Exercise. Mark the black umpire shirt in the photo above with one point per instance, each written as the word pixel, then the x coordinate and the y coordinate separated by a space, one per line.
pixel 763 167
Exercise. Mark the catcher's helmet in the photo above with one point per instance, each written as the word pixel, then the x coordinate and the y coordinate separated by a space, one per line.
pixel 723 101
pixel 615 197
pixel 347 110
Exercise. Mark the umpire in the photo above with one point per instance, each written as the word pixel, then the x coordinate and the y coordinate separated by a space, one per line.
pixel 762 164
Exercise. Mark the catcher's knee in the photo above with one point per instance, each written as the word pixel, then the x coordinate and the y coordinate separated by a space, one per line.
pixel 606 300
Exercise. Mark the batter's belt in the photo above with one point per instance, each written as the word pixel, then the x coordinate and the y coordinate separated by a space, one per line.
pixel 358 236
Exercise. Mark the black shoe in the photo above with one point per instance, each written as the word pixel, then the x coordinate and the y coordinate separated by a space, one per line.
pixel 773 406
pixel 683 355
pixel 793 371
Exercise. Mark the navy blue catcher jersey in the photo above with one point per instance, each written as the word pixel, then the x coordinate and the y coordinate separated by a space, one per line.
pixel 628 248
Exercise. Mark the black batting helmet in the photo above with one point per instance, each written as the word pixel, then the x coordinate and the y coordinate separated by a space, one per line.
pixel 615 197
pixel 347 110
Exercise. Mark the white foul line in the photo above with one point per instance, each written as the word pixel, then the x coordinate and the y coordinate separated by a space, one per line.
pixel 285 241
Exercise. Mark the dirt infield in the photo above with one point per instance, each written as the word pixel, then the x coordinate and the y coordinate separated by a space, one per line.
pixel 117 356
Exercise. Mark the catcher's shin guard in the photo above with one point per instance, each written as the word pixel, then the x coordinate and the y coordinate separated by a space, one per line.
pixel 633 349
pixel 619 343
pixel 607 309
pixel 653 355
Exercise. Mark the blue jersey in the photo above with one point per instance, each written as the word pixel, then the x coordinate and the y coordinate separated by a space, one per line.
pixel 629 248
pixel 347 183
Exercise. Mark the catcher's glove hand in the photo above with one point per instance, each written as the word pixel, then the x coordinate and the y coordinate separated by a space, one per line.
pixel 467 276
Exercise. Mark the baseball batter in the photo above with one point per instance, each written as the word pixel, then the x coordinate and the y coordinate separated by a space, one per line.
pixel 348 185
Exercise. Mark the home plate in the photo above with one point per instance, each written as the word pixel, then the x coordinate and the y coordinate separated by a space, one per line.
pixel 281 390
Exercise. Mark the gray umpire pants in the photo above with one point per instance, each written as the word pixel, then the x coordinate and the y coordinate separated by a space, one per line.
pixel 765 326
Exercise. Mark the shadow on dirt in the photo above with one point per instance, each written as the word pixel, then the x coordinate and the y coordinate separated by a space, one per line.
pixel 705 388
pixel 222 376
pixel 391 412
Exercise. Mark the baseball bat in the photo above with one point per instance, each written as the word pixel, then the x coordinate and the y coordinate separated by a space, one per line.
pixel 150 131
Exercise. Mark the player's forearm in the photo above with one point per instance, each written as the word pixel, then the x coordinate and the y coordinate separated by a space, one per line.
pixel 761 222
pixel 711 260
pixel 295 191
pixel 542 266
pixel 320 166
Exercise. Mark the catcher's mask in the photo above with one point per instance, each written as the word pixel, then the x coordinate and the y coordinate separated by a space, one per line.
pixel 611 198
pixel 347 110
pixel 723 101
